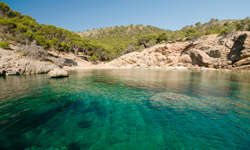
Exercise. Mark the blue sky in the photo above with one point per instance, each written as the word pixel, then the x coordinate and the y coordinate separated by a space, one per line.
pixel 80 15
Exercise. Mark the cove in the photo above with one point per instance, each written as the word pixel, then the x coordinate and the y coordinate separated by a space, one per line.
pixel 126 109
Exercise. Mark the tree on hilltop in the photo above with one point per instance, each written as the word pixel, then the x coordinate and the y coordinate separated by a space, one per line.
pixel 4 10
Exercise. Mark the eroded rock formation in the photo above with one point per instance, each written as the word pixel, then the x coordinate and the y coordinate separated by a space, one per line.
pixel 13 63
pixel 224 52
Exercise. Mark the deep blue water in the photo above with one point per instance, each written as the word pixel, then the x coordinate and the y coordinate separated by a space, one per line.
pixel 126 109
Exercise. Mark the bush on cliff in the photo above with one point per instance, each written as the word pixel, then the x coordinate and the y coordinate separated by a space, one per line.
pixel 4 44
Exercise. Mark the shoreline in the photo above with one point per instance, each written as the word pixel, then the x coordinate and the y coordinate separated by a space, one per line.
pixel 180 68
pixel 17 65
pixel 107 67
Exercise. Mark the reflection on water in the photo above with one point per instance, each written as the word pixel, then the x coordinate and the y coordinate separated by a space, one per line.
pixel 126 109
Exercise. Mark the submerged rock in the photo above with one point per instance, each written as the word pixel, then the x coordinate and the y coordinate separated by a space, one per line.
pixel 58 73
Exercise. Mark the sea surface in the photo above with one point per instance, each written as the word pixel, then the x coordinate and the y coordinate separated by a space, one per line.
pixel 126 109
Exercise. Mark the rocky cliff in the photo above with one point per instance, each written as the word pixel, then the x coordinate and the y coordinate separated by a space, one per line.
pixel 16 63
pixel 211 51
pixel 13 64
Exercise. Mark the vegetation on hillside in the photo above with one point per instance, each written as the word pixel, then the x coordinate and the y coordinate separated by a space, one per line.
pixel 102 44
pixel 215 26
pixel 121 40
pixel 5 44
pixel 18 28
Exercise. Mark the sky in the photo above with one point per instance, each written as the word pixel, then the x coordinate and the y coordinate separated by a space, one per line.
pixel 80 15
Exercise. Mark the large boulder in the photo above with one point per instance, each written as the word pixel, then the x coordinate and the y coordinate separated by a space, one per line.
pixel 58 73
pixel 242 62
pixel 185 59
pixel 201 58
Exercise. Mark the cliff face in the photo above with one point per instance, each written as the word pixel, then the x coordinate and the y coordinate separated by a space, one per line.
pixel 14 63
pixel 228 52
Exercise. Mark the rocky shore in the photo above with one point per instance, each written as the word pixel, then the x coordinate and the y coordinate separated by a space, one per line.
pixel 15 63
pixel 230 52
pixel 211 52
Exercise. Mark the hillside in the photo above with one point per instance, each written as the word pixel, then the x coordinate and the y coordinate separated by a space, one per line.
pixel 16 28
pixel 210 51
pixel 104 44
pixel 123 39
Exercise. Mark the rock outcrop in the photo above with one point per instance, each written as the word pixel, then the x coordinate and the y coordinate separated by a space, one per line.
pixel 14 63
pixel 224 52
pixel 58 73
pixel 11 65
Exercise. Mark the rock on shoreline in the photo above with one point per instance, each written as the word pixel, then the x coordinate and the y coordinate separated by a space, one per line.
pixel 58 73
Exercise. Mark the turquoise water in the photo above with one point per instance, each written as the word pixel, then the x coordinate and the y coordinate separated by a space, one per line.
pixel 126 110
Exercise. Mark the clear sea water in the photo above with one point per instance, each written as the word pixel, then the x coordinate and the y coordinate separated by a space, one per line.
pixel 129 109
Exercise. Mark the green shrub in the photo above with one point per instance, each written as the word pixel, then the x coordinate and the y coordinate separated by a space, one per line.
pixel 95 57
pixel 5 44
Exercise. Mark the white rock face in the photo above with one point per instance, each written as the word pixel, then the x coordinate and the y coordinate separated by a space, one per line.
pixel 14 65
